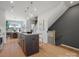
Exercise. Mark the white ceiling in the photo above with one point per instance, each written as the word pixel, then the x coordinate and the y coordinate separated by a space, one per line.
pixel 20 7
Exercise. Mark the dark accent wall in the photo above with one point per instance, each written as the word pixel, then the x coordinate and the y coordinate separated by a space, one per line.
pixel 67 27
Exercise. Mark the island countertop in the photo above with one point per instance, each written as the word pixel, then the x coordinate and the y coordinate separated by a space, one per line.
pixel 28 34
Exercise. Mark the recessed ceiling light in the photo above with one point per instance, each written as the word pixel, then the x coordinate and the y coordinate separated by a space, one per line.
pixel 11 1
pixel 71 2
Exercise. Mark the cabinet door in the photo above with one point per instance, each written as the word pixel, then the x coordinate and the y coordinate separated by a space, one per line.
pixel 31 44
pixel 0 40
pixel 27 46
pixel 35 40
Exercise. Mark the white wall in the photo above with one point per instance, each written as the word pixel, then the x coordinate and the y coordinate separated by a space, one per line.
pixel 12 15
pixel 15 17
pixel 3 24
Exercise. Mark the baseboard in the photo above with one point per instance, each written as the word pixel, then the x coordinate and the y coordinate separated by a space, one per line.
pixel 69 47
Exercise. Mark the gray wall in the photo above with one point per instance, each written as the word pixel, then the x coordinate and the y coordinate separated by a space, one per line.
pixel 67 27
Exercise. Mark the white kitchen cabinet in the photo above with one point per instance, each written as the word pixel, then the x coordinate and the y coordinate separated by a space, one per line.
pixel 51 37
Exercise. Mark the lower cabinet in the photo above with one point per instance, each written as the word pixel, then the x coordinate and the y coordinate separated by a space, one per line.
pixel 29 44
pixel 1 40
pixel 1 43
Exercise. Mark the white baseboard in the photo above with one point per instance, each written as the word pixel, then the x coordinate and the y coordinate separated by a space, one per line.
pixel 76 49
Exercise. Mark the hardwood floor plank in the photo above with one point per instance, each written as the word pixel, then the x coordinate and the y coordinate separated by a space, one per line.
pixel 12 49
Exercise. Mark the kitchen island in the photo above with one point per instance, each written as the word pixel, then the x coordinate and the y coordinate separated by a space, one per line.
pixel 29 43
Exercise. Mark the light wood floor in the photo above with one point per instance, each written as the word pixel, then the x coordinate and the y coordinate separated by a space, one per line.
pixel 12 49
